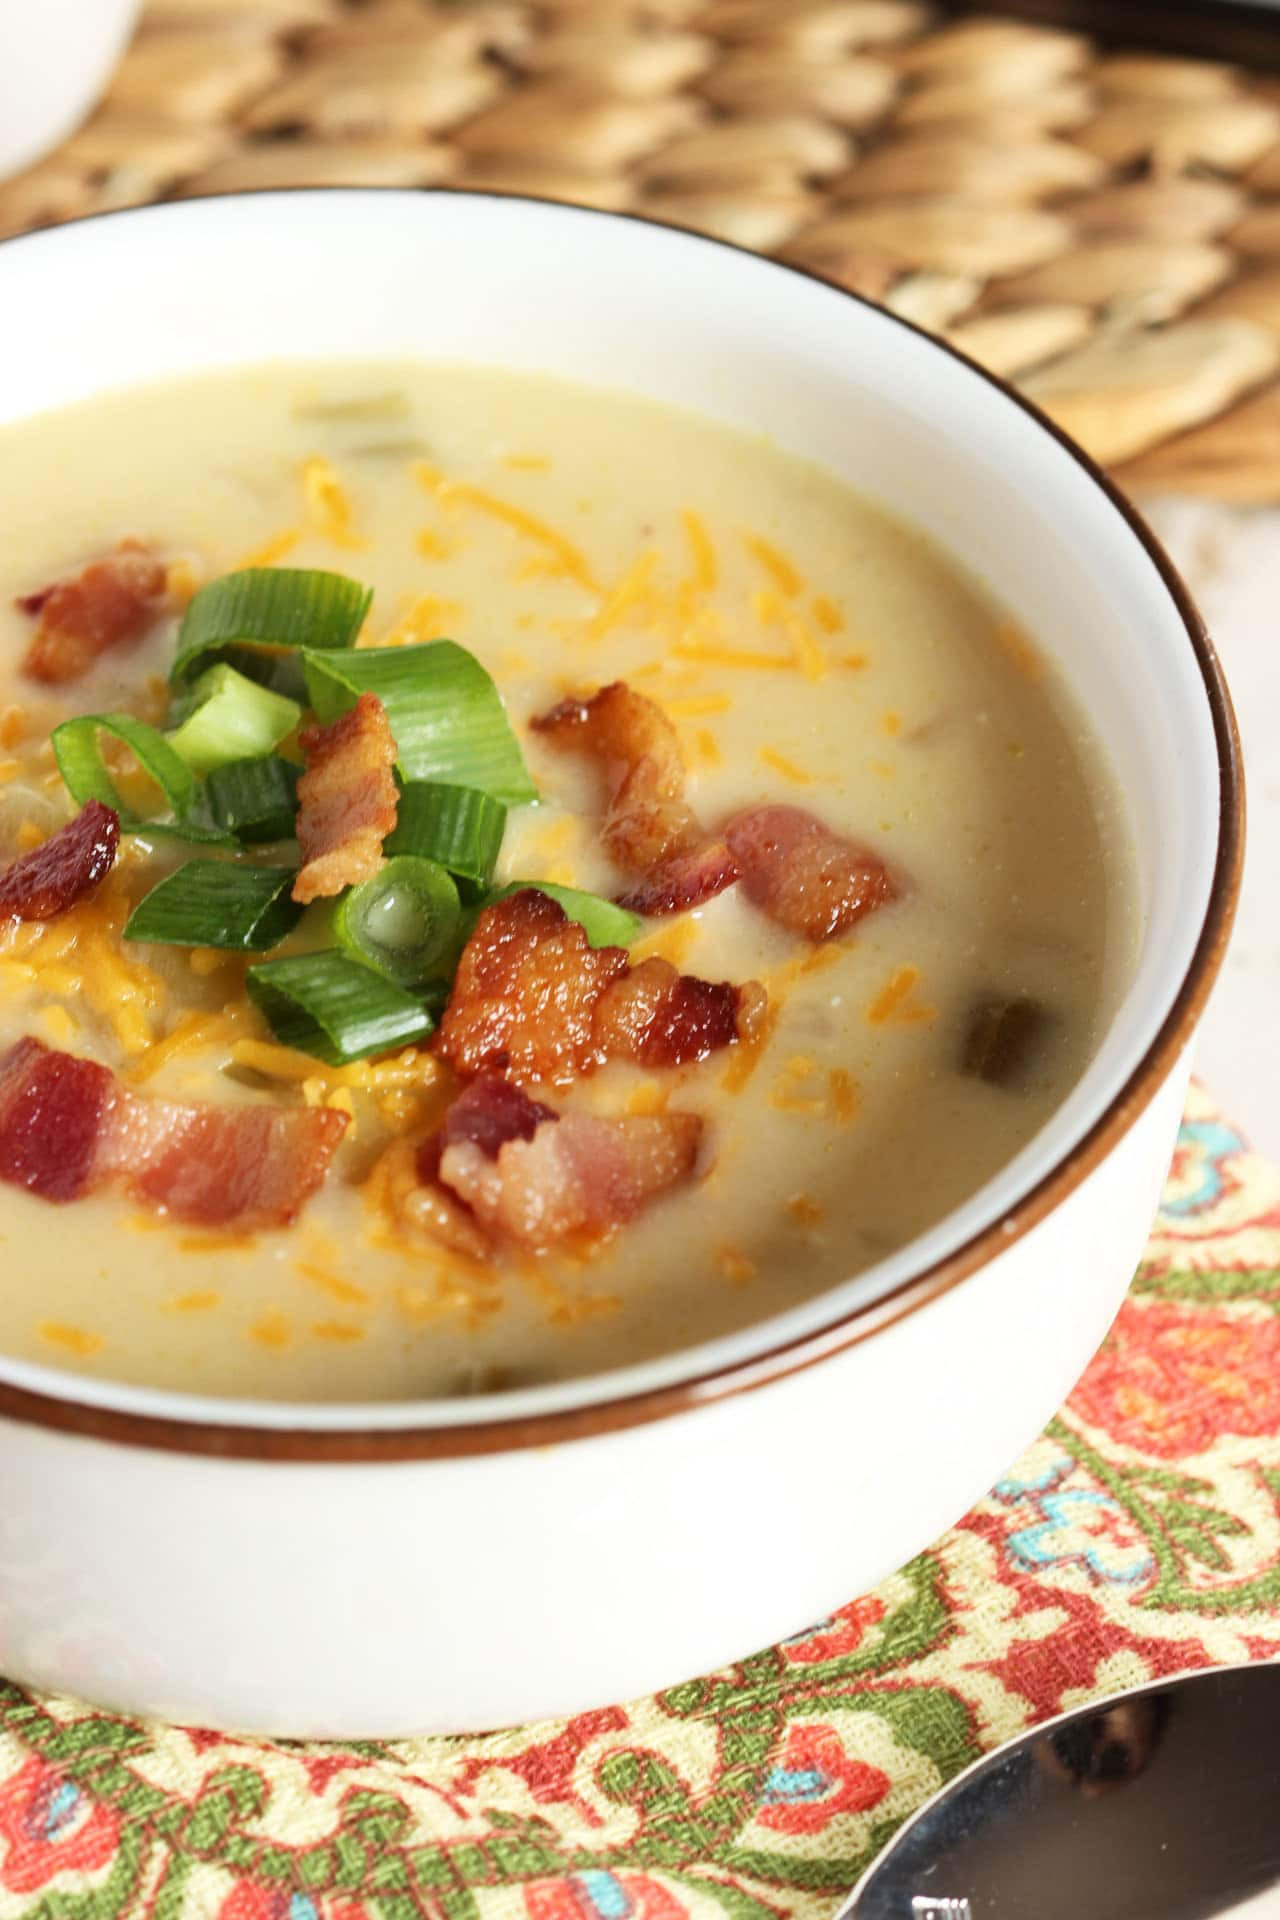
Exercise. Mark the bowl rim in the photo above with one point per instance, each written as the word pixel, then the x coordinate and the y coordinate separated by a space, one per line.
pixel 297 1443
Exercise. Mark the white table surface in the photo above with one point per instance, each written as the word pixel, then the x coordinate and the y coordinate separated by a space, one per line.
pixel 1230 558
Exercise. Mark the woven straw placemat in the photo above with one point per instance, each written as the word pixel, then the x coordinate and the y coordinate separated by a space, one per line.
pixel 1102 226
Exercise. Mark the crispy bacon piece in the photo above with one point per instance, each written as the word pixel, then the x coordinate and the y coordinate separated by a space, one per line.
pixel 346 800
pixel 648 826
pixel 47 881
pixel 533 998
pixel 68 1127
pixel 685 880
pixel 575 1174
pixel 111 604
pixel 488 1113
pixel 54 1109
pixel 661 1018
pixel 525 993
pixel 804 876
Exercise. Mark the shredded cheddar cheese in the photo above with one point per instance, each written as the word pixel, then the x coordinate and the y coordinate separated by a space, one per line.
pixel 804 1210
pixel 705 574
pixel 787 768
pixel 77 1340
pixel 334 1284
pixel 328 504
pixel 891 723
pixel 59 1025
pixel 671 941
pixel 695 706
pixel 776 564
pixel 735 1266
pixel 566 556
pixel 272 1329
pixel 338 1331
pixel 182 578
pixel 827 614
pixel 648 1098
pixel 190 1032
pixel 82 958
pixel 202 1300
pixel 895 1002
pixel 277 548
pixel 216 1242
pixel 806 654
pixel 432 545
pixel 712 655
pixel 527 462
pixel 708 748
pixel 427 618
pixel 631 592
pixel 566 1307
pixel 13 725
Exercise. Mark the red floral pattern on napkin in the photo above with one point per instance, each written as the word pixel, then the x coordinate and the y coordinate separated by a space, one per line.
pixel 1139 1536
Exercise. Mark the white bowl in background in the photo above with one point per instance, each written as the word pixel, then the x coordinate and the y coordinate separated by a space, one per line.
pixel 56 57
pixel 384 1569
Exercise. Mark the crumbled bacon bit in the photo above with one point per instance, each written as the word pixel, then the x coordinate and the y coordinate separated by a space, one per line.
pixel 525 993
pixel 67 1127
pixel 53 1108
pixel 44 883
pixel 646 817
pixel 661 1018
pixel 488 1113
pixel 577 1174
pixel 648 826
pixel 112 603
pixel 685 880
pixel 346 800
pixel 533 998
pixel 804 876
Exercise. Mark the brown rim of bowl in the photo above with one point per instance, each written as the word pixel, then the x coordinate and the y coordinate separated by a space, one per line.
pixel 302 1444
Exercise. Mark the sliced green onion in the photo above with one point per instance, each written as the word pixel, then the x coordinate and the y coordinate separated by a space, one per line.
pixel 605 923
pixel 446 714
pixel 332 1006
pixel 78 752
pixel 228 717
pixel 260 618
pixel 255 800
pixel 459 827
pixel 214 903
pixel 403 922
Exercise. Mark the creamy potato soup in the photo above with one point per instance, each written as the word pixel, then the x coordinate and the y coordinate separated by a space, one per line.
pixel 856 1078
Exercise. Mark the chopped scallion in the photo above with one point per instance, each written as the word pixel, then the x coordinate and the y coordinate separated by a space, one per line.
pixel 78 751
pixel 256 800
pixel 403 922
pixel 332 1006
pixel 228 717
pixel 606 924
pixel 260 618
pixel 446 714
pixel 459 827
pixel 215 903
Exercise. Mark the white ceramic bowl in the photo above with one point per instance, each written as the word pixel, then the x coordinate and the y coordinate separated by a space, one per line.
pixel 56 57
pixel 375 1570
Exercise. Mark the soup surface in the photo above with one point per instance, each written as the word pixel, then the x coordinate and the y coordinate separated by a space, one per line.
pixel 809 651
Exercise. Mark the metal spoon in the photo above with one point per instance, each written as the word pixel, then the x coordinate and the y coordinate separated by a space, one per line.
pixel 1158 1804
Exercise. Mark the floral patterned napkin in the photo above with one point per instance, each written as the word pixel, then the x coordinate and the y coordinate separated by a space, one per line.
pixel 1139 1536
